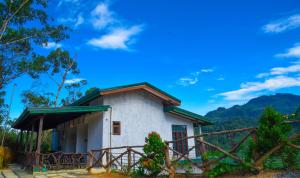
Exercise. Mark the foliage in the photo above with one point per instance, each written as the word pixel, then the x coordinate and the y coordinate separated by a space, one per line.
pixel 271 131
pixel 74 92
pixel 90 90
pixel 152 164
pixel 247 115
pixel 220 169
pixel 6 156
pixel 33 99
pixel 24 25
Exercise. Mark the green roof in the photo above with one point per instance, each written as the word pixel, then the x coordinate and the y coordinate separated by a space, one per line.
pixel 96 93
pixel 54 116
pixel 187 114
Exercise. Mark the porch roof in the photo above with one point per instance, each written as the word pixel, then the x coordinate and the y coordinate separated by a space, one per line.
pixel 53 116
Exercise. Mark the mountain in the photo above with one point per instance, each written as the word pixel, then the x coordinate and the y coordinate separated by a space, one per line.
pixel 248 114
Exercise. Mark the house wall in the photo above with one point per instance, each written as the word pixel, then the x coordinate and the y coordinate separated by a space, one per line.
pixel 81 134
pixel 139 114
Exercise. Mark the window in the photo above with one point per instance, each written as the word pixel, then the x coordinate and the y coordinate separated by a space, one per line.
pixel 116 128
pixel 179 132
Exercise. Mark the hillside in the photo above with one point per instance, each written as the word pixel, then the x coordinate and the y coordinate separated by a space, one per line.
pixel 247 115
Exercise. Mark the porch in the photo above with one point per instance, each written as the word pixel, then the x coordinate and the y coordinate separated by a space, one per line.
pixel 34 121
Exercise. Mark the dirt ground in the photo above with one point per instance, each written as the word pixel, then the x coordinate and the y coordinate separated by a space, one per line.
pixel 268 174
pixel 265 174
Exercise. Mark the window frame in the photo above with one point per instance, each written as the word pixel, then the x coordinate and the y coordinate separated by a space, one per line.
pixel 114 126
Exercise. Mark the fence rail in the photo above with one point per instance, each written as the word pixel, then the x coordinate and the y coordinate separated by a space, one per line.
pixel 126 158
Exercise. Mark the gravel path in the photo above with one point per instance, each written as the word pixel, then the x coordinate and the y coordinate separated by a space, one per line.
pixel 289 175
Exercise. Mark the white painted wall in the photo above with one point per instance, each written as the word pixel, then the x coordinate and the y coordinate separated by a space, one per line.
pixel 81 138
pixel 95 128
pixel 139 114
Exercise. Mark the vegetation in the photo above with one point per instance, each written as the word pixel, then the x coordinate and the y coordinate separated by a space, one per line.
pixel 152 164
pixel 6 156
pixel 248 115
pixel 272 131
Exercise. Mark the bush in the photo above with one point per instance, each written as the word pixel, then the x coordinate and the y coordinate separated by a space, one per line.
pixel 154 150
pixel 5 157
pixel 271 132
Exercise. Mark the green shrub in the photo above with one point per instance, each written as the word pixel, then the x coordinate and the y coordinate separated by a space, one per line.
pixel 271 131
pixel 152 165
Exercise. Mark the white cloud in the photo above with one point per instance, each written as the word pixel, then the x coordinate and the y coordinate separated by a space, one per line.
pixel 282 25
pixel 249 90
pixel 79 20
pixel 221 78
pixel 294 68
pixel 211 89
pixel 52 45
pixel 75 22
pixel 119 38
pixel 102 16
pixel 207 70
pixel 291 52
pixel 74 80
pixel 186 81
pixel 262 75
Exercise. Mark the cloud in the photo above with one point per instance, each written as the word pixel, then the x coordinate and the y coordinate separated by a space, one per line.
pixel 102 16
pixel 79 20
pixel 282 25
pixel 221 78
pixel 293 52
pixel 119 38
pixel 74 80
pixel 210 89
pixel 294 68
pixel 250 89
pixel 52 45
pixel 192 78
pixel 186 81
pixel 207 70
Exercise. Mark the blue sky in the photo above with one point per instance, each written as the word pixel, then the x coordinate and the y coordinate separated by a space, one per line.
pixel 207 53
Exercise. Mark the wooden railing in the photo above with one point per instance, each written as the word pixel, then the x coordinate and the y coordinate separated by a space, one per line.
pixel 126 158
pixel 56 160
pixel 123 158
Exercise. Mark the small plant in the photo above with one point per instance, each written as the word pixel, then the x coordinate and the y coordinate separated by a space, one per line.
pixel 152 164
pixel 5 156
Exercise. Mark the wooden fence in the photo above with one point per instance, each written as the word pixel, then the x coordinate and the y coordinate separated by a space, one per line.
pixel 126 158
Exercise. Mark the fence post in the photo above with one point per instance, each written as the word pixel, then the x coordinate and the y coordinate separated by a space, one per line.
pixel 170 168
pixel 129 159
pixel 108 164
pixel 90 159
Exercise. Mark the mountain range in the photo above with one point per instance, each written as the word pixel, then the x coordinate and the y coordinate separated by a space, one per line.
pixel 247 115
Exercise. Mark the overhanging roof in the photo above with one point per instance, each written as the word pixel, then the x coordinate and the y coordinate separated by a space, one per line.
pixel 53 116
pixel 187 114
pixel 125 88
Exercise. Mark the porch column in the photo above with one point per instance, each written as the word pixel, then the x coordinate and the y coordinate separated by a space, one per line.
pixel 31 138
pixel 39 140
pixel 20 141
pixel 26 141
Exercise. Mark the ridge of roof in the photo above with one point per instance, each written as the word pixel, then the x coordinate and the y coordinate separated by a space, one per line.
pixel 97 92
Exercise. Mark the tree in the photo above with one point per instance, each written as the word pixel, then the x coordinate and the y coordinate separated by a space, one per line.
pixel 74 92
pixel 24 24
pixel 90 90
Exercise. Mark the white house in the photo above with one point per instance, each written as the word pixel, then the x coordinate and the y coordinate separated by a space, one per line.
pixel 118 116
pixel 134 111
